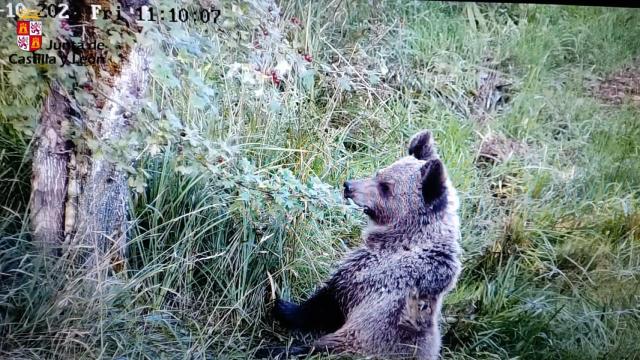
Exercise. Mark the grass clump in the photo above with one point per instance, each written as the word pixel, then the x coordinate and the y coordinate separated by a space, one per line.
pixel 547 173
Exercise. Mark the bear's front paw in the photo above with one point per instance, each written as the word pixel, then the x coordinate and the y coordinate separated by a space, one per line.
pixel 286 312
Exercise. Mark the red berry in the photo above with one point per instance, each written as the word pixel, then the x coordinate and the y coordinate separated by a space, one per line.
pixel 274 77
pixel 308 57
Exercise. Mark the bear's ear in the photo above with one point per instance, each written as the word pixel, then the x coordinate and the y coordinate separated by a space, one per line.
pixel 422 146
pixel 434 180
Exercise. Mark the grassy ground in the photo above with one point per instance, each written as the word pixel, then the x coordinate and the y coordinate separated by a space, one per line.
pixel 549 177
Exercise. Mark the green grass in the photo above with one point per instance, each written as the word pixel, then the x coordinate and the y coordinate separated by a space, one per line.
pixel 551 268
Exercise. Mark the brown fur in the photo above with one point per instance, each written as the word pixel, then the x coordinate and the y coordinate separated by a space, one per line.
pixel 385 298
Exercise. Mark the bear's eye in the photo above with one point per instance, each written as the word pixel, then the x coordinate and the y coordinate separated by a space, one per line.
pixel 385 188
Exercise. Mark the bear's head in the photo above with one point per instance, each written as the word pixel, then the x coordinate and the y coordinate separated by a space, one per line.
pixel 414 187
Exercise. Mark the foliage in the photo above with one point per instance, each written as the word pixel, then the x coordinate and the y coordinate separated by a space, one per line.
pixel 231 166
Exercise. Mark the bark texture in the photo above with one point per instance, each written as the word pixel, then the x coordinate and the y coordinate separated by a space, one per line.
pixel 104 192
pixel 49 172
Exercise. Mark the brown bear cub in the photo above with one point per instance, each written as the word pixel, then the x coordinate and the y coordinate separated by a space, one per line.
pixel 384 300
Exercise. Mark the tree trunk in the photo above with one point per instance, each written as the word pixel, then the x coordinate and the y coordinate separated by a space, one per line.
pixel 104 192
pixel 79 202
pixel 49 172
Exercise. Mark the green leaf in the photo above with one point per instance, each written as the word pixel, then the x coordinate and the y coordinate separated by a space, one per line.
pixel 198 102
pixel 344 83
pixel 245 196
pixel 307 77
pixel 16 78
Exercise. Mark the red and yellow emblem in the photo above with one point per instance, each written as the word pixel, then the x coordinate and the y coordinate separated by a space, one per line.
pixel 29 30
